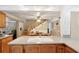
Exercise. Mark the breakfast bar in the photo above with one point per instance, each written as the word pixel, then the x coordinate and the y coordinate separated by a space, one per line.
pixel 43 44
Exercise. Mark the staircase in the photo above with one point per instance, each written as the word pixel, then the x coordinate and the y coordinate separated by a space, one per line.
pixel 34 24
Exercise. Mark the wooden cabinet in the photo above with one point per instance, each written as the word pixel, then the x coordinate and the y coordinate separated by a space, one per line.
pixel 69 50
pixel 42 48
pixel 4 47
pixel 16 49
pixel 31 49
pixel 0 46
pixel 63 48
pixel 47 48
pixel 35 48
pixel 2 20
pixel 60 48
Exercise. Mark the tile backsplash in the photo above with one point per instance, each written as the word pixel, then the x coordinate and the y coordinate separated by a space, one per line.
pixel 10 25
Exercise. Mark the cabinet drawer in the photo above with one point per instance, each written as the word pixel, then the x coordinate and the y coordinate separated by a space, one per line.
pixel 47 48
pixel 6 40
pixel 31 48
pixel 16 49
pixel 60 48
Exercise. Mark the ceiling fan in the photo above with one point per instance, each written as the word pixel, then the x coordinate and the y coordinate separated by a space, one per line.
pixel 39 16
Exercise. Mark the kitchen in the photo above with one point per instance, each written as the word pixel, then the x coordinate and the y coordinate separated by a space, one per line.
pixel 39 30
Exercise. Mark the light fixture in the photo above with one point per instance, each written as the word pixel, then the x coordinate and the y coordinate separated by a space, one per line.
pixel 38 14
pixel 38 20
pixel 38 17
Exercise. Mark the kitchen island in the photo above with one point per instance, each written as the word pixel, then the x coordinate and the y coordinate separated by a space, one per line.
pixel 43 44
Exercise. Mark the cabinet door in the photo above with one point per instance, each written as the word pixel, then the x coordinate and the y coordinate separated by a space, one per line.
pixel 0 46
pixel 31 49
pixel 5 46
pixel 69 50
pixel 60 48
pixel 2 20
pixel 7 40
pixel 16 49
pixel 47 48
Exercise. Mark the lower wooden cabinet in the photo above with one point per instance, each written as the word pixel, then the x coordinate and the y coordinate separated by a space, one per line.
pixel 16 49
pixel 64 49
pixel 69 50
pixel 4 47
pixel 60 48
pixel 42 48
pixel 38 48
pixel 0 46
pixel 31 49
pixel 47 48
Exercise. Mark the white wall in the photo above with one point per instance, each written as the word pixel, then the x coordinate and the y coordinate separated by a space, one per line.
pixel 75 25
pixel 65 21
pixel 20 28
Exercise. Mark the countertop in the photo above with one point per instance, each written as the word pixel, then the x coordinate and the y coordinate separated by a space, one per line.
pixel 5 36
pixel 23 40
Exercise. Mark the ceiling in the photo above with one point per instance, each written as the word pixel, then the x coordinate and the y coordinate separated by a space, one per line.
pixel 32 7
pixel 32 15
pixel 28 12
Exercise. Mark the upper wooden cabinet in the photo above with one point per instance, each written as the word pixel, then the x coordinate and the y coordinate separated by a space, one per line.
pixel 2 20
